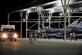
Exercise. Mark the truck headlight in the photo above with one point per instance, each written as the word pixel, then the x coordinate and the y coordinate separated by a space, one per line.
pixel 15 35
pixel 4 35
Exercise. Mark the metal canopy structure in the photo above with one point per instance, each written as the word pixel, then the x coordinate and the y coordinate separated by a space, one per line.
pixel 65 7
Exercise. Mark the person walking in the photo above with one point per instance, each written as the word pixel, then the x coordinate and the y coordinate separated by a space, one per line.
pixel 73 34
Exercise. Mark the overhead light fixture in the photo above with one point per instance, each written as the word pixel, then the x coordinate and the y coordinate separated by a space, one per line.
pixel 60 14
pixel 47 20
pixel 28 11
pixel 59 3
pixel 24 9
pixel 71 1
pixel 52 11
pixel 50 3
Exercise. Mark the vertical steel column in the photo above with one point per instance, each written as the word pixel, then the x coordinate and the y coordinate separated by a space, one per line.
pixel 27 14
pixel 42 16
pixel 39 13
pixel 38 19
pixel 64 9
pixel 42 22
pixel 50 15
pixel 65 19
pixel 59 24
pixel 8 18
pixel 69 19
pixel 43 26
pixel 65 6
pixel 21 23
pixel 68 13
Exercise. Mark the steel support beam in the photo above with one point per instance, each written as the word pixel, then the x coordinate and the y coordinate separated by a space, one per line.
pixel 21 13
pixel 27 15
pixel 65 6
pixel 8 18
pixel 39 12
pixel 50 16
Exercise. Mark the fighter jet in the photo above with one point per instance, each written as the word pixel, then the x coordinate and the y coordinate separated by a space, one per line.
pixel 78 30
pixel 59 33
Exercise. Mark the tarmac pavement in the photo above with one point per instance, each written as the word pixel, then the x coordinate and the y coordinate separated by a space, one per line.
pixel 41 47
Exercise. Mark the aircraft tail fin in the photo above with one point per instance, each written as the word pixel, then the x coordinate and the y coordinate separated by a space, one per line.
pixel 79 25
pixel 76 22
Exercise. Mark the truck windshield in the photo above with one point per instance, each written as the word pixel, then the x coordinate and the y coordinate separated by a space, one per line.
pixel 6 29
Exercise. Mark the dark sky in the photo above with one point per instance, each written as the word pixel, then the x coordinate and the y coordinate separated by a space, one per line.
pixel 11 5
pixel 7 6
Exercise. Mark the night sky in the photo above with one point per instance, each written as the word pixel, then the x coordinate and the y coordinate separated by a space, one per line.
pixel 7 6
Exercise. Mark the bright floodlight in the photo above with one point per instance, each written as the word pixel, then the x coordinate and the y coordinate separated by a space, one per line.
pixel 51 11
pixel 60 14
pixel 24 10
pixel 59 3
pixel 50 3
pixel 28 11
pixel 70 1
pixel 24 20
pixel 47 20
pixel 39 8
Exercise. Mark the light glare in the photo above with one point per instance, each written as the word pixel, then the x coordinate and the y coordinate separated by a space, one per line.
pixel 15 35
pixel 4 35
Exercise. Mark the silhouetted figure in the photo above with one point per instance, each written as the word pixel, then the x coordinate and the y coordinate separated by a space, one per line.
pixel 30 37
pixel 73 36
pixel 35 36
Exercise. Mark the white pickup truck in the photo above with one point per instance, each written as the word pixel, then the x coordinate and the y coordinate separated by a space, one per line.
pixel 8 33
